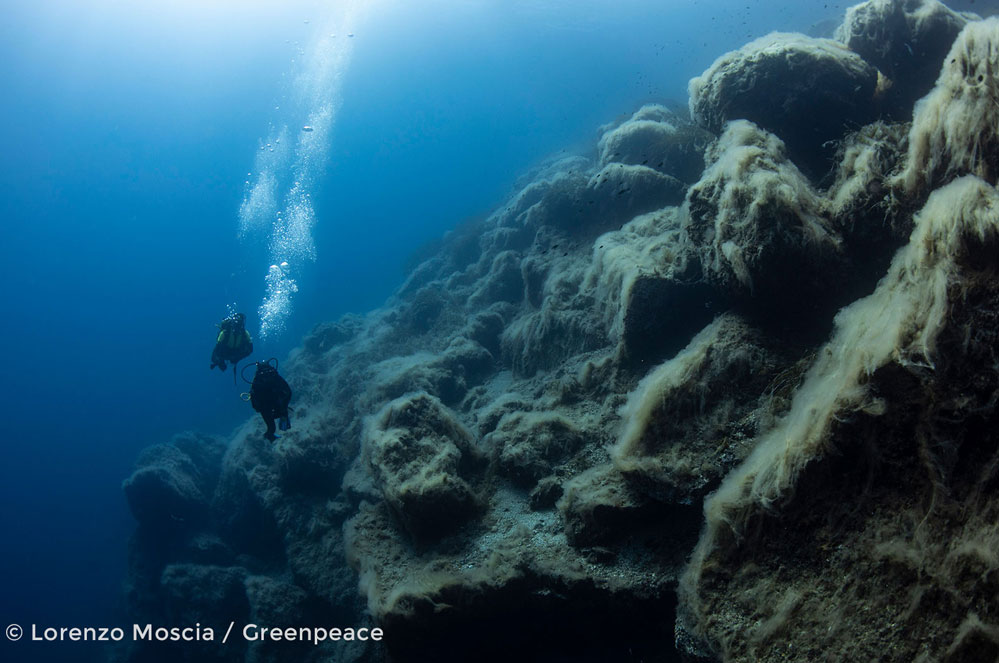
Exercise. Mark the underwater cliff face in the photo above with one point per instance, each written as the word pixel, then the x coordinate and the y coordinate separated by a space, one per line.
pixel 725 390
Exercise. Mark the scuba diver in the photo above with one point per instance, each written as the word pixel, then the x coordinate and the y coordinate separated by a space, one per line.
pixel 269 395
pixel 233 343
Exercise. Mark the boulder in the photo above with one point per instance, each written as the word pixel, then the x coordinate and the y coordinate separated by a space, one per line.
pixel 530 446
pixel 172 484
pixel 807 91
pixel 955 128
pixel 660 139
pixel 692 418
pixel 906 40
pixel 756 226
pixel 422 459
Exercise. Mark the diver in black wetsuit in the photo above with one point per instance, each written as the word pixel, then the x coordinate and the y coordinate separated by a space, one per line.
pixel 270 395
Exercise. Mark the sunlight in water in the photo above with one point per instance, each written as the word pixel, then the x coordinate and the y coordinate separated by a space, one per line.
pixel 278 197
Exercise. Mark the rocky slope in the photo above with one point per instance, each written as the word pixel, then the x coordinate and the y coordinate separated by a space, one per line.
pixel 725 391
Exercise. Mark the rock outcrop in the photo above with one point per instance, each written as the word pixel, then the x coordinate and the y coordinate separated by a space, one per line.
pixel 907 41
pixel 756 226
pixel 955 128
pixel 727 392
pixel 805 90
pixel 869 478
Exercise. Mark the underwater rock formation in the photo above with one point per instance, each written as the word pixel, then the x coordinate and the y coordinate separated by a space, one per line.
pixel 755 225
pixel 621 418
pixel 955 128
pixel 906 40
pixel 658 138
pixel 805 90
pixel 173 483
pixel 530 446
pixel 880 474
pixel 691 419
pixel 419 456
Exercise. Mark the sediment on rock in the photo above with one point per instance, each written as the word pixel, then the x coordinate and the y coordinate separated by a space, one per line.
pixel 634 370
pixel 807 91
pixel 694 417
pixel 955 128
pixel 881 434
pixel 907 41
pixel 758 232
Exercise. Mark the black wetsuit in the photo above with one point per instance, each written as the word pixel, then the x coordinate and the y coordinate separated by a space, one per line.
pixel 270 395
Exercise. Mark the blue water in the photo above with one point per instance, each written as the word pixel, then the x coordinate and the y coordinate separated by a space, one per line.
pixel 128 132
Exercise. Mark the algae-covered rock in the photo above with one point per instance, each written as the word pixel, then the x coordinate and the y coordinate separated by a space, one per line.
pixel 239 507
pixel 503 283
pixel 870 219
pixel 584 204
pixel 627 370
pixel 906 40
pixel 618 193
pixel 530 446
pixel 955 128
pixel 212 596
pixel 515 589
pixel 164 488
pixel 756 225
pixel 208 549
pixel 693 418
pixel 277 604
pixel 658 138
pixel 329 335
pixel 485 328
pixel 600 506
pixel 807 91
pixel 421 371
pixel 546 493
pixel 638 277
pixel 421 458
pixel 865 494
pixel 172 484
pixel 560 326
pixel 859 198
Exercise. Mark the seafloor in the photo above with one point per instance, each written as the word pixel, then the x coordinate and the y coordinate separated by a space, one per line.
pixel 726 391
